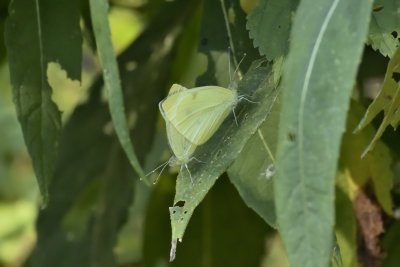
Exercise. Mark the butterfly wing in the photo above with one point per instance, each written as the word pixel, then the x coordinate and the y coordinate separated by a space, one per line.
pixel 180 146
pixel 197 113
pixel 175 89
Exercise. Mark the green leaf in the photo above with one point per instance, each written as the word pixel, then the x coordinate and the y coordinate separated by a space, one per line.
pixel 384 42
pixel 346 224
pixel 241 45
pixel 252 172
pixel 92 167
pixel 211 239
pixel 269 26
pixel 35 31
pixel 384 23
pixel 391 245
pixel 83 198
pixel 387 100
pixel 224 18
pixel 218 153
pixel 376 166
pixel 99 11
pixel 326 46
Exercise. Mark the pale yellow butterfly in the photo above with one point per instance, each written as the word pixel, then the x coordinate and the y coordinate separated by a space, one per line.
pixel 197 113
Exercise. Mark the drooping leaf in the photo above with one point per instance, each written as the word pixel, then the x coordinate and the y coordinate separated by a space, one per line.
pixel 384 27
pixel 269 26
pixel 99 11
pixel 35 31
pixel 252 172
pixel 388 100
pixel 212 236
pixel 325 49
pixel 375 167
pixel 218 153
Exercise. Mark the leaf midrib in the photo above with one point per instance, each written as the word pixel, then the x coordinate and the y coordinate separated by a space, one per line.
pixel 42 83
pixel 304 92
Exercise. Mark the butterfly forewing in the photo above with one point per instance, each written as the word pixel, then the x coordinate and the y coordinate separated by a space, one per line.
pixel 197 113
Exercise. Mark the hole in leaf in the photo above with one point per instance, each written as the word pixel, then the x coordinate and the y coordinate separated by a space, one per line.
pixel 394 34
pixel 180 203
pixel 174 211
pixel 181 218
pixel 396 77
pixel 185 212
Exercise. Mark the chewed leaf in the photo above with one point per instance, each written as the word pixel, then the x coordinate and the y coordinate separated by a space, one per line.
pixel 219 152
pixel 34 33
pixel 67 93
pixel 276 19
pixel 388 101
pixel 384 27
pixel 382 41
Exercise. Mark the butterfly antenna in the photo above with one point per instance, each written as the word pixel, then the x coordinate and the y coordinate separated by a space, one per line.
pixel 162 170
pixel 196 159
pixel 245 98
pixel 237 72
pixel 161 166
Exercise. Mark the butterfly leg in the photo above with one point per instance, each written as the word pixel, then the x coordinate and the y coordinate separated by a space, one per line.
pixel 196 159
pixel 245 98
pixel 190 174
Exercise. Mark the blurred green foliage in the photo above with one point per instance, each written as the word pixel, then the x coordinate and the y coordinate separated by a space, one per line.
pixel 100 214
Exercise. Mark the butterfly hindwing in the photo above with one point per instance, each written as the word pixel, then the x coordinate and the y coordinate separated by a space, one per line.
pixel 181 147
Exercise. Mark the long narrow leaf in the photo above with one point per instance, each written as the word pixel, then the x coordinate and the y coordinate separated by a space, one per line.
pixel 35 32
pixel 98 10
pixel 325 50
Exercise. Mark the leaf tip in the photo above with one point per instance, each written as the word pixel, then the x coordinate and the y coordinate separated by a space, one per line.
pixel 172 252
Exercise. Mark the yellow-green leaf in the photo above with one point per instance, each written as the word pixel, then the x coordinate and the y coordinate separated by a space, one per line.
pixel 388 100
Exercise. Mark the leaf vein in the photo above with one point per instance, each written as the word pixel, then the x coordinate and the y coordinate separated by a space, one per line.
pixel 305 88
